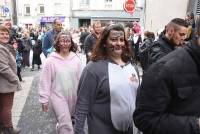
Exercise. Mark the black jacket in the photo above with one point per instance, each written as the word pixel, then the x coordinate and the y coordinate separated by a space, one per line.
pixel 168 101
pixel 160 48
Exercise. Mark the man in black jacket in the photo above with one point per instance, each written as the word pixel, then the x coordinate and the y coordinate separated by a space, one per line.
pixel 173 36
pixel 91 39
pixel 168 101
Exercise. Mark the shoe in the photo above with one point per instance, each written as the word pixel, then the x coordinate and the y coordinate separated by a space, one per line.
pixel 57 128
pixel 22 81
pixel 11 130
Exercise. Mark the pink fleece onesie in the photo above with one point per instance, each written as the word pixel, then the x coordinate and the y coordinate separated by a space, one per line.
pixel 58 86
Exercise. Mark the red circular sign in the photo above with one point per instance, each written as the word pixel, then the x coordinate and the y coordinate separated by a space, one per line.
pixel 129 6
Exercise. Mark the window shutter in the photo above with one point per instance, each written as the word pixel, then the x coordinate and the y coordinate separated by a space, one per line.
pixel 198 8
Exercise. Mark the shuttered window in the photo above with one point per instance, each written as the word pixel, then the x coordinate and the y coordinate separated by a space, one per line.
pixel 198 8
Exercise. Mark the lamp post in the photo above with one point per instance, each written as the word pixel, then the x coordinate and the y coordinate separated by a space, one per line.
pixel 14 11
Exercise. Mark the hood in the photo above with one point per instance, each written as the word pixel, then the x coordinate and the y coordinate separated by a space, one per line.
pixel 165 41
pixel 55 55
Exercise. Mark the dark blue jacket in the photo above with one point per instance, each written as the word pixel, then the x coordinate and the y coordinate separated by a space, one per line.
pixel 48 41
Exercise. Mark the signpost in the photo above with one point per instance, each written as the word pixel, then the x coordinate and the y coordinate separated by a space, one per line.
pixel 129 6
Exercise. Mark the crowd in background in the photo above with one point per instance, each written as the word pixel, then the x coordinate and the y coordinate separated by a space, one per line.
pixel 96 93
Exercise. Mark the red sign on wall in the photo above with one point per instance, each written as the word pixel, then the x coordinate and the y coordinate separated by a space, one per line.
pixel 129 6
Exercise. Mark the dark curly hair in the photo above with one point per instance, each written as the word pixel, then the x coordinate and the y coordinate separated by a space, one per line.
pixel 73 47
pixel 99 52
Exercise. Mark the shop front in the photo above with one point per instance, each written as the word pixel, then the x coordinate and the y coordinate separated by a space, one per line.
pixel 47 21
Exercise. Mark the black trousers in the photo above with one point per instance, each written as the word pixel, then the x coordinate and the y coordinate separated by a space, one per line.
pixel 19 73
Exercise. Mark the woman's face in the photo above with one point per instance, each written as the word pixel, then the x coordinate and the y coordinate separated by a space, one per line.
pixel 65 43
pixel 115 43
pixel 4 37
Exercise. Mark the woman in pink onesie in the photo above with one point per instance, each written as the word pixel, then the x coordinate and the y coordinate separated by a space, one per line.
pixel 59 80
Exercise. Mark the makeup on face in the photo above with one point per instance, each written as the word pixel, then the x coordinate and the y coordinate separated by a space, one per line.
pixel 116 41
pixel 117 34
pixel 65 41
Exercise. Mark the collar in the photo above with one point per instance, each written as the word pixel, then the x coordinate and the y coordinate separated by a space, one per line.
pixel 168 42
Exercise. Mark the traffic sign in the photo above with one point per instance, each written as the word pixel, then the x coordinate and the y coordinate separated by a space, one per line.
pixel 5 9
pixel 129 6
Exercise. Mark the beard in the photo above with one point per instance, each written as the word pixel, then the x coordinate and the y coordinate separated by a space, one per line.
pixel 174 43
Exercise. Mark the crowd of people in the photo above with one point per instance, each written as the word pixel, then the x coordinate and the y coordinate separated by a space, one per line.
pixel 108 93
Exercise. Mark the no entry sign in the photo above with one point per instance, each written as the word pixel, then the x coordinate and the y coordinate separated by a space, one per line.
pixel 129 6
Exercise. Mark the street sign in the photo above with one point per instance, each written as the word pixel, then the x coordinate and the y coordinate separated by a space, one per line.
pixel 129 6
pixel 5 9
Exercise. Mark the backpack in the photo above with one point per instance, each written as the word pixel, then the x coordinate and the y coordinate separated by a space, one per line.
pixel 144 52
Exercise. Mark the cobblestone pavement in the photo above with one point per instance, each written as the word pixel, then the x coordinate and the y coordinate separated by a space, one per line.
pixel 27 113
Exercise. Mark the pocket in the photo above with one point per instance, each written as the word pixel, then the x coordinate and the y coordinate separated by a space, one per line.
pixel 184 92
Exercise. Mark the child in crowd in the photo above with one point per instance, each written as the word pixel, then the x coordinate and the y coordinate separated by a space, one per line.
pixel 18 46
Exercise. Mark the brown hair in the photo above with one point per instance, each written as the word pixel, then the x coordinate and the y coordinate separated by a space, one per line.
pixel 99 52
pixel 73 47
pixel 149 34
pixel 4 29
pixel 176 23
pixel 96 23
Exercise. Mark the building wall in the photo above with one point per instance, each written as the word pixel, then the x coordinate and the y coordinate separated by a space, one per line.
pixel 160 12
pixel 73 10
pixel 192 6
pixel 97 5
pixel 49 10
pixel 99 10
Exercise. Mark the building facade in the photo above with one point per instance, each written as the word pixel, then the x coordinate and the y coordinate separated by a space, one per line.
pixel 75 13
pixel 194 6
pixel 86 11
pixel 159 12
pixel 42 12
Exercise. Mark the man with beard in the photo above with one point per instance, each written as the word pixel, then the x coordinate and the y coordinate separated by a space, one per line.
pixel 50 36
pixel 168 99
pixel 173 36
pixel 91 39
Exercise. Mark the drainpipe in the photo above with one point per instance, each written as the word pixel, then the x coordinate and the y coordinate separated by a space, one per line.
pixel 14 11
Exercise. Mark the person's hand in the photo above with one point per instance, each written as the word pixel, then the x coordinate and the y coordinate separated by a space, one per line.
pixel 45 107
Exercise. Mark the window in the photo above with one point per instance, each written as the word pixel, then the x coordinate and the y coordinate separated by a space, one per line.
pixel 107 1
pixel 108 4
pixel 198 8
pixel 41 9
pixel 27 9
pixel 84 2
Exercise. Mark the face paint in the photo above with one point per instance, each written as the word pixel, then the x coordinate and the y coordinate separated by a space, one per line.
pixel 116 42
pixel 113 47
pixel 117 34
pixel 65 42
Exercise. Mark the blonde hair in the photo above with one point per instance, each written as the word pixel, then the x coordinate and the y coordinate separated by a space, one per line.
pixel 26 33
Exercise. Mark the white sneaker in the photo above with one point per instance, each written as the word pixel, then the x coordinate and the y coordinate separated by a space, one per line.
pixel 57 125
